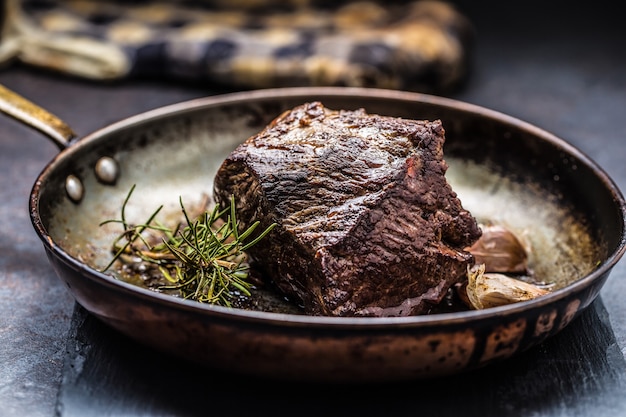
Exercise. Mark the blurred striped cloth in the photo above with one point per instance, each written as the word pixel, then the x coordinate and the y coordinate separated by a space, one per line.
pixel 420 45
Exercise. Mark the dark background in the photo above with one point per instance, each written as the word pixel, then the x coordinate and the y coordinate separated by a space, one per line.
pixel 559 66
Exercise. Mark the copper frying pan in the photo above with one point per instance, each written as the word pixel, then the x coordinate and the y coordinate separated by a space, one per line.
pixel 502 168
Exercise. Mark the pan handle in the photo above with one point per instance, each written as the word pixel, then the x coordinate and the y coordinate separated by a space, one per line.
pixel 16 106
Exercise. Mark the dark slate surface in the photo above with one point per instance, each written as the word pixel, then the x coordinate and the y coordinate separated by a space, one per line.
pixel 557 66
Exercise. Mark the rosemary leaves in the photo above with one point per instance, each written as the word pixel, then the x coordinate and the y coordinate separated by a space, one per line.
pixel 203 259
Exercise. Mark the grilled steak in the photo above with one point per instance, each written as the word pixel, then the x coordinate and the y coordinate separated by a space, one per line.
pixel 367 223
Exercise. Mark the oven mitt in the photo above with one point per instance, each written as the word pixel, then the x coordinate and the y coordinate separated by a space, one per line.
pixel 419 46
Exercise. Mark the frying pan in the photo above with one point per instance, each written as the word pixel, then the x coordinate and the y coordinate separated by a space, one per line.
pixel 503 169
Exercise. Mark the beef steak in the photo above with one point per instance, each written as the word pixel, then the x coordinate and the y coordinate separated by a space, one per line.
pixel 367 223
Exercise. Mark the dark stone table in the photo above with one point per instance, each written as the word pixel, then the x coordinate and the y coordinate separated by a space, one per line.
pixel 560 67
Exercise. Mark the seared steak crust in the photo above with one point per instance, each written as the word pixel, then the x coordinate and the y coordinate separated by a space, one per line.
pixel 367 223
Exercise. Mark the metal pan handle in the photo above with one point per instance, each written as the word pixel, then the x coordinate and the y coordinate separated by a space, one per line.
pixel 14 105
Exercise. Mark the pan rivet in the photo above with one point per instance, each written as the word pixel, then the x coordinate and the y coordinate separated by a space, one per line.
pixel 74 188
pixel 107 170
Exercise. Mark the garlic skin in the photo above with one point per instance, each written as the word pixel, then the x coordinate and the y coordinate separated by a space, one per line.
pixel 485 290
pixel 500 251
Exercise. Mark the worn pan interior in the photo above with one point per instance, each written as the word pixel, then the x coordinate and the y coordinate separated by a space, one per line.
pixel 504 170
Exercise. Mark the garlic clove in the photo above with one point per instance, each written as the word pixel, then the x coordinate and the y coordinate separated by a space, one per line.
pixel 485 290
pixel 500 250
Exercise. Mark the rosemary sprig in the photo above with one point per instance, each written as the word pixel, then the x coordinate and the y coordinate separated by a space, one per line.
pixel 204 260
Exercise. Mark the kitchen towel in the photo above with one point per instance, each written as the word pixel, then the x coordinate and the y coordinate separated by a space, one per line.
pixel 422 45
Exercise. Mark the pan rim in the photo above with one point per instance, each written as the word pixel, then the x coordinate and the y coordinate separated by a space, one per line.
pixel 285 319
